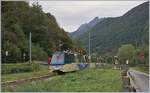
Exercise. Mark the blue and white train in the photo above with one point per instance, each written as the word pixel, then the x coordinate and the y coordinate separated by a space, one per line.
pixel 68 62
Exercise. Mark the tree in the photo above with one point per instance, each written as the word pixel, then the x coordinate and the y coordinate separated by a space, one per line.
pixel 142 55
pixel 14 53
pixel 126 52
pixel 38 53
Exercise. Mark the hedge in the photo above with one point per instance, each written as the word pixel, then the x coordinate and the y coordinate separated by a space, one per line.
pixel 19 67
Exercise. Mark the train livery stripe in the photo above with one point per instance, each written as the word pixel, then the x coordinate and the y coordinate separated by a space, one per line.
pixel 82 65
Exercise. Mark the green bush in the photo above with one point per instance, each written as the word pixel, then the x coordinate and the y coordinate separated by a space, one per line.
pixel 20 67
pixel 38 53
pixel 14 52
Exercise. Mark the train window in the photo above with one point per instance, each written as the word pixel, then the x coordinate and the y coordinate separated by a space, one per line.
pixel 69 58
pixel 72 58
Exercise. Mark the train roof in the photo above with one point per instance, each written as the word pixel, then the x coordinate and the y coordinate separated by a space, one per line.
pixel 62 52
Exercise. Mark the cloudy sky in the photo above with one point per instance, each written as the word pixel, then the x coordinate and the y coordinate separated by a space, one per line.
pixel 71 14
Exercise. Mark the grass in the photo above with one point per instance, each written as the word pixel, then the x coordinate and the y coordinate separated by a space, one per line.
pixel 88 80
pixel 142 69
pixel 16 76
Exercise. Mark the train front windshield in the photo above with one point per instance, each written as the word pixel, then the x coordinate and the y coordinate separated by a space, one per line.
pixel 57 58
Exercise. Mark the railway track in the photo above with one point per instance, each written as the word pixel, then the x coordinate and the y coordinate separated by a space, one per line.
pixel 33 79
pixel 21 81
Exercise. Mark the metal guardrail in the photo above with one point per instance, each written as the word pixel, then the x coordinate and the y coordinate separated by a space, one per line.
pixel 132 82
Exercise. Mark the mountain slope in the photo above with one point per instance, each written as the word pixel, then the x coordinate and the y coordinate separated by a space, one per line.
pixel 85 27
pixel 111 33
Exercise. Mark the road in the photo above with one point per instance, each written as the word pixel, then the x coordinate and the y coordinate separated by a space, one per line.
pixel 141 80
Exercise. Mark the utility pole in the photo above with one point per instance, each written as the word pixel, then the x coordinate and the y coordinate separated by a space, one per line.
pixel 89 47
pixel 24 55
pixel 6 54
pixel 60 45
pixel 30 47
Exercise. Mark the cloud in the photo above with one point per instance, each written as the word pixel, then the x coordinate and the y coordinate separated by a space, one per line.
pixel 71 14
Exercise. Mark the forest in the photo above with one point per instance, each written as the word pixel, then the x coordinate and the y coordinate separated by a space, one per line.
pixel 18 20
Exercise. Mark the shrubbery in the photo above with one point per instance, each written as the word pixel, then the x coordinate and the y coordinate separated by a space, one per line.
pixel 38 53
pixel 20 67
pixel 135 56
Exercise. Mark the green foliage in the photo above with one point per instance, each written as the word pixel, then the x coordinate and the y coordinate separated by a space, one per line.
pixel 14 53
pixel 18 19
pixel 136 56
pixel 142 68
pixel 19 68
pixel 88 80
pixel 126 52
pixel 142 55
pixel 109 59
pixel 38 54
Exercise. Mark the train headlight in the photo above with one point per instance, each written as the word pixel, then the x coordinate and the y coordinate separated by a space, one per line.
pixel 57 67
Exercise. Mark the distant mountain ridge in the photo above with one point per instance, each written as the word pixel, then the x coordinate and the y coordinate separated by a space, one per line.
pixel 85 27
pixel 108 35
